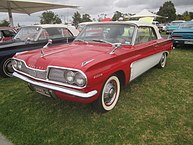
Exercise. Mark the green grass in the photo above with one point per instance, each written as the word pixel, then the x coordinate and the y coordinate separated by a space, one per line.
pixel 156 108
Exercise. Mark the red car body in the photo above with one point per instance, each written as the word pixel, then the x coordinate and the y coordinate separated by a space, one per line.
pixel 94 60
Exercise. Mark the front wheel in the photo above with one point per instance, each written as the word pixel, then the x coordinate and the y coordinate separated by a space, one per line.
pixel 109 95
pixel 6 69
pixel 162 62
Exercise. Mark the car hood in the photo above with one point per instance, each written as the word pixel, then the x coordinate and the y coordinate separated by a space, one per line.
pixel 67 55
pixel 183 31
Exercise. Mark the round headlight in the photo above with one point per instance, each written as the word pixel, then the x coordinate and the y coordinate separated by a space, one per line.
pixel 19 65
pixel 80 80
pixel 70 77
pixel 15 64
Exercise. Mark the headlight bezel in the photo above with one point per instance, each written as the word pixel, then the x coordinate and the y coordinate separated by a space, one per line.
pixel 67 83
pixel 78 74
pixel 47 71
pixel 17 64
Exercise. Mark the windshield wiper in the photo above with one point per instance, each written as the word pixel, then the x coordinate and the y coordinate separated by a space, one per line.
pixel 114 45
pixel 100 40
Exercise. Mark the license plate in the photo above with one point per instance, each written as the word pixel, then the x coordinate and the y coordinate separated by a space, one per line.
pixel 188 42
pixel 42 91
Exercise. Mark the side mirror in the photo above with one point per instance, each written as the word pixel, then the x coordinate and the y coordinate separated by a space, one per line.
pixel 46 46
pixel 27 40
pixel 49 42
pixel 115 47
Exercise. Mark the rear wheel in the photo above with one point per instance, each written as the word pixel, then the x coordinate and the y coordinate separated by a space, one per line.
pixel 162 62
pixel 109 95
pixel 6 69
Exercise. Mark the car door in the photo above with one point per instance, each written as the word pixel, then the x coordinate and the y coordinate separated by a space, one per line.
pixel 144 50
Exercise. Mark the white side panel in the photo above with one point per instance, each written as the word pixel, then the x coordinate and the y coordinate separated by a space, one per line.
pixel 142 65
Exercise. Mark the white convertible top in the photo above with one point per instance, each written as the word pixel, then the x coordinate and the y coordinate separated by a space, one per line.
pixel 72 29
pixel 136 23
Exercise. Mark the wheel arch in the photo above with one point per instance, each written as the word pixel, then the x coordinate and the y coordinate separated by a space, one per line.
pixel 121 75
pixel 166 52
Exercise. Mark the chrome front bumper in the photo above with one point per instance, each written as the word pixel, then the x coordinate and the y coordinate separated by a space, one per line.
pixel 56 88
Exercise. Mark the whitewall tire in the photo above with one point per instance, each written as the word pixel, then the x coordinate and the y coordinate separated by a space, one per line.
pixel 163 61
pixel 109 95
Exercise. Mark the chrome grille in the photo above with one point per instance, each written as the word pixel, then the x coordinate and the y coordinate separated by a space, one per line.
pixel 41 74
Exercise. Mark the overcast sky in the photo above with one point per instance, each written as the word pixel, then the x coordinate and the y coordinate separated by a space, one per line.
pixel 96 7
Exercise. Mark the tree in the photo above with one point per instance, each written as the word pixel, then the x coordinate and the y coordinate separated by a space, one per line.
pixel 191 15
pixel 126 16
pixel 179 17
pixel 86 18
pixel 50 17
pixel 4 23
pixel 187 16
pixel 76 18
pixel 117 15
pixel 167 10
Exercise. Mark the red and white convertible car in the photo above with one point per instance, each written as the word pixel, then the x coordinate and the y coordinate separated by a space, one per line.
pixel 92 69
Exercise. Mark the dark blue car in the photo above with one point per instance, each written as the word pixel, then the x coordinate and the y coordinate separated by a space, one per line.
pixel 184 34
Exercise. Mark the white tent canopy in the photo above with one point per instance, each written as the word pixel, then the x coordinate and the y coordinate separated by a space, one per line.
pixel 145 13
pixel 28 7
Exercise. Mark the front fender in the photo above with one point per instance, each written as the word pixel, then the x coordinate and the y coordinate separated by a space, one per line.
pixel 100 72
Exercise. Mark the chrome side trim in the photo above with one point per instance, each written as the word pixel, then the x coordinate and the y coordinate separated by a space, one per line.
pixel 56 88
pixel 86 62
pixel 18 53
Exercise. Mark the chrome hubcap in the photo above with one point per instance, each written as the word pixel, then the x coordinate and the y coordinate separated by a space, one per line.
pixel 8 69
pixel 110 93
pixel 163 60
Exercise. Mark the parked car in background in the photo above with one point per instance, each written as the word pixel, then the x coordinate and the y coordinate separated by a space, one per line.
pixel 183 35
pixel 161 27
pixel 104 57
pixel 34 37
pixel 6 34
pixel 173 26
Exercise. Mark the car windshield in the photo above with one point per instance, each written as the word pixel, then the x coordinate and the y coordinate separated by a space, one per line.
pixel 28 33
pixel 187 26
pixel 80 27
pixel 38 33
pixel 107 33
